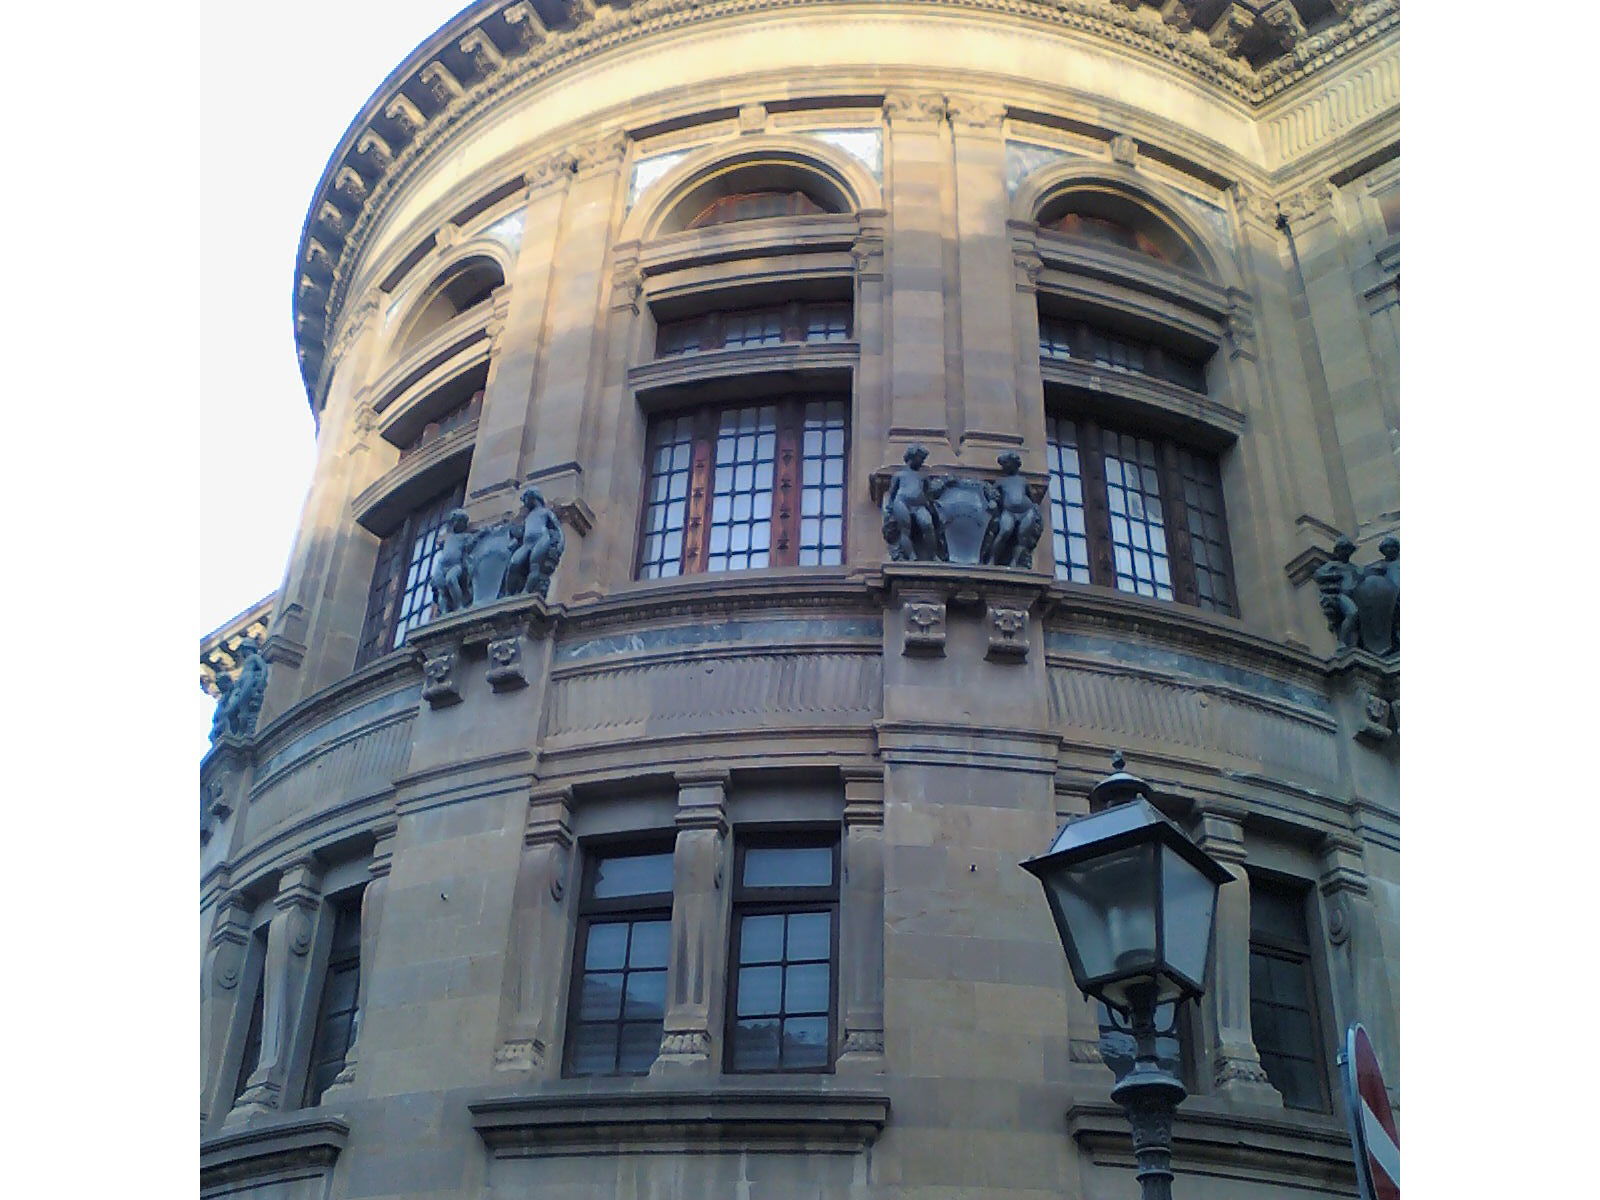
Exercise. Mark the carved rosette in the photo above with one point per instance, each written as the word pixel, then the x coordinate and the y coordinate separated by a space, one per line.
pixel 439 686
pixel 1008 633
pixel 505 664
pixel 924 627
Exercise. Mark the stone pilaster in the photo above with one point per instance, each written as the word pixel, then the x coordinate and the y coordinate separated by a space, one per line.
pixel 1228 1046
pixel 504 425
pixel 990 420
pixel 916 269
pixel 569 378
pixel 541 932
pixel 861 924
pixel 372 897
pixel 284 987
pixel 701 886
pixel 1357 959
pixel 221 1000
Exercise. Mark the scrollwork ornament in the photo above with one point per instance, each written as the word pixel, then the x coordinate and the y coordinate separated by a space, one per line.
pixel 227 964
pixel 298 928
pixel 1339 924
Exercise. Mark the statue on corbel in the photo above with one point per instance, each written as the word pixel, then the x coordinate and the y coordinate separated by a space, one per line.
pixel 1362 604
pixel 944 518
pixel 511 558
pixel 239 699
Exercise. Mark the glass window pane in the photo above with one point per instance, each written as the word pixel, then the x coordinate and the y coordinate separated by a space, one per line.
pixel 641 1042
pixel 632 875
pixel 810 936
pixel 755 1045
pixel 805 988
pixel 607 947
pixel 789 866
pixel 646 995
pixel 594 1050
pixel 805 1042
pixel 601 997
pixel 649 944
pixel 761 939
pixel 760 990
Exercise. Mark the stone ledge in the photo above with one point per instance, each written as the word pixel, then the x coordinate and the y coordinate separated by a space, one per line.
pixel 817 1119
pixel 271 1147
pixel 1231 1140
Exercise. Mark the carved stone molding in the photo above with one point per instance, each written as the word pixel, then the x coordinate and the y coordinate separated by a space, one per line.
pixel 686 1043
pixel 627 285
pixel 439 685
pixel 602 152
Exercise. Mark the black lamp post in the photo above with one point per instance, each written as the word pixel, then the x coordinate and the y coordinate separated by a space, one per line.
pixel 1134 901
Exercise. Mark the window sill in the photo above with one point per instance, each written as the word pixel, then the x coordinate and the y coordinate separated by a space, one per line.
pixel 1236 1141
pixel 384 504
pixel 794 366
pixel 278 1148
pixel 775 1115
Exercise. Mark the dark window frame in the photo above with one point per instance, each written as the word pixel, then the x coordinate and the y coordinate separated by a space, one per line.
pixel 1204 583
pixel 786 539
pixel 1072 339
pixel 398 554
pixel 647 906
pixel 1300 952
pixel 750 901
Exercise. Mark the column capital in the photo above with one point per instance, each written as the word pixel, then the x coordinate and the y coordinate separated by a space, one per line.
pixel 702 799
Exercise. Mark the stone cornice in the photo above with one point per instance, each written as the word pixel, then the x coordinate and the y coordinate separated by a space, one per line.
pixel 494 50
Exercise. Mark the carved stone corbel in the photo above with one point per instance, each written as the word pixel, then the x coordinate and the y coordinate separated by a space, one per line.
pixel 505 672
pixel 485 55
pixel 441 81
pixel 406 115
pixel 924 626
pixel 440 687
pixel 1008 632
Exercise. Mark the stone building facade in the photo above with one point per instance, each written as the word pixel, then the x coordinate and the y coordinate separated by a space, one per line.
pixel 696 876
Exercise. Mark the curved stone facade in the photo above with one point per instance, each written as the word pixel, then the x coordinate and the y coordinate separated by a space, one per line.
pixel 703 274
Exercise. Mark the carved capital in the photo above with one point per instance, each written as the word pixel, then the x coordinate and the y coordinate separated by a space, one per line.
pixel 1008 633
pixel 908 107
pixel 975 112
pixel 439 686
pixel 603 152
pixel 1313 200
pixel 924 627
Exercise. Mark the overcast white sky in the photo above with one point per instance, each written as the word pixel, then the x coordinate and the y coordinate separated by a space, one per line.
pixel 270 120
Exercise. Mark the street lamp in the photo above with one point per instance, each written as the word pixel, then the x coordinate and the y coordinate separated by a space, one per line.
pixel 1134 900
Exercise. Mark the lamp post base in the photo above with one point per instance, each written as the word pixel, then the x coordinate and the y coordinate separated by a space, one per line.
pixel 1150 1097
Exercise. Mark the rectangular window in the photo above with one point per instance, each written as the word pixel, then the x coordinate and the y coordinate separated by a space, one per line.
pixel 401 597
pixel 721 486
pixel 1283 1008
pixel 337 1013
pixel 785 955
pixel 1061 338
pixel 619 986
pixel 1138 513
pixel 797 321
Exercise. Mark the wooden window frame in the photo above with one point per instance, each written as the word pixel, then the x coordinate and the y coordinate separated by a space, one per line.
pixel 1093 344
pixel 787 483
pixel 1175 504
pixel 645 906
pixel 769 901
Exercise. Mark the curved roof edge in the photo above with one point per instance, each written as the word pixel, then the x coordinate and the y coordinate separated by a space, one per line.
pixel 1252 51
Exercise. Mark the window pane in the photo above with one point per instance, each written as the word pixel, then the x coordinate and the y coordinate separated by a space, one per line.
pixel 1203 516
pixel 805 989
pixel 632 875
pixel 805 1042
pixel 755 1045
pixel 649 944
pixel 601 997
pixel 789 866
pixel 594 1050
pixel 641 1042
pixel 761 939
pixel 746 439
pixel 646 995
pixel 607 947
pixel 760 990
pixel 810 935
pixel 1138 537
pixel 1066 502
pixel 670 456
pixel 822 480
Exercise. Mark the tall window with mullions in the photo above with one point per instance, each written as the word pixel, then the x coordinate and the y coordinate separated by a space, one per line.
pixel 401 596
pixel 619 986
pixel 740 487
pixel 1284 1013
pixel 785 939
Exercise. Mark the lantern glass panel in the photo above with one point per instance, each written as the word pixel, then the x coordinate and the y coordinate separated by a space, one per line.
pixel 1188 901
pixel 1108 906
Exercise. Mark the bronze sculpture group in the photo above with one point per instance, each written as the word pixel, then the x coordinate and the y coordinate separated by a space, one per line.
pixel 1362 604
pixel 515 558
pixel 239 698
pixel 941 518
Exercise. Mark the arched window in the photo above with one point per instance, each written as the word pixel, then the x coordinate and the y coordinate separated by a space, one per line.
pixel 1098 214
pixel 752 206
pixel 467 285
